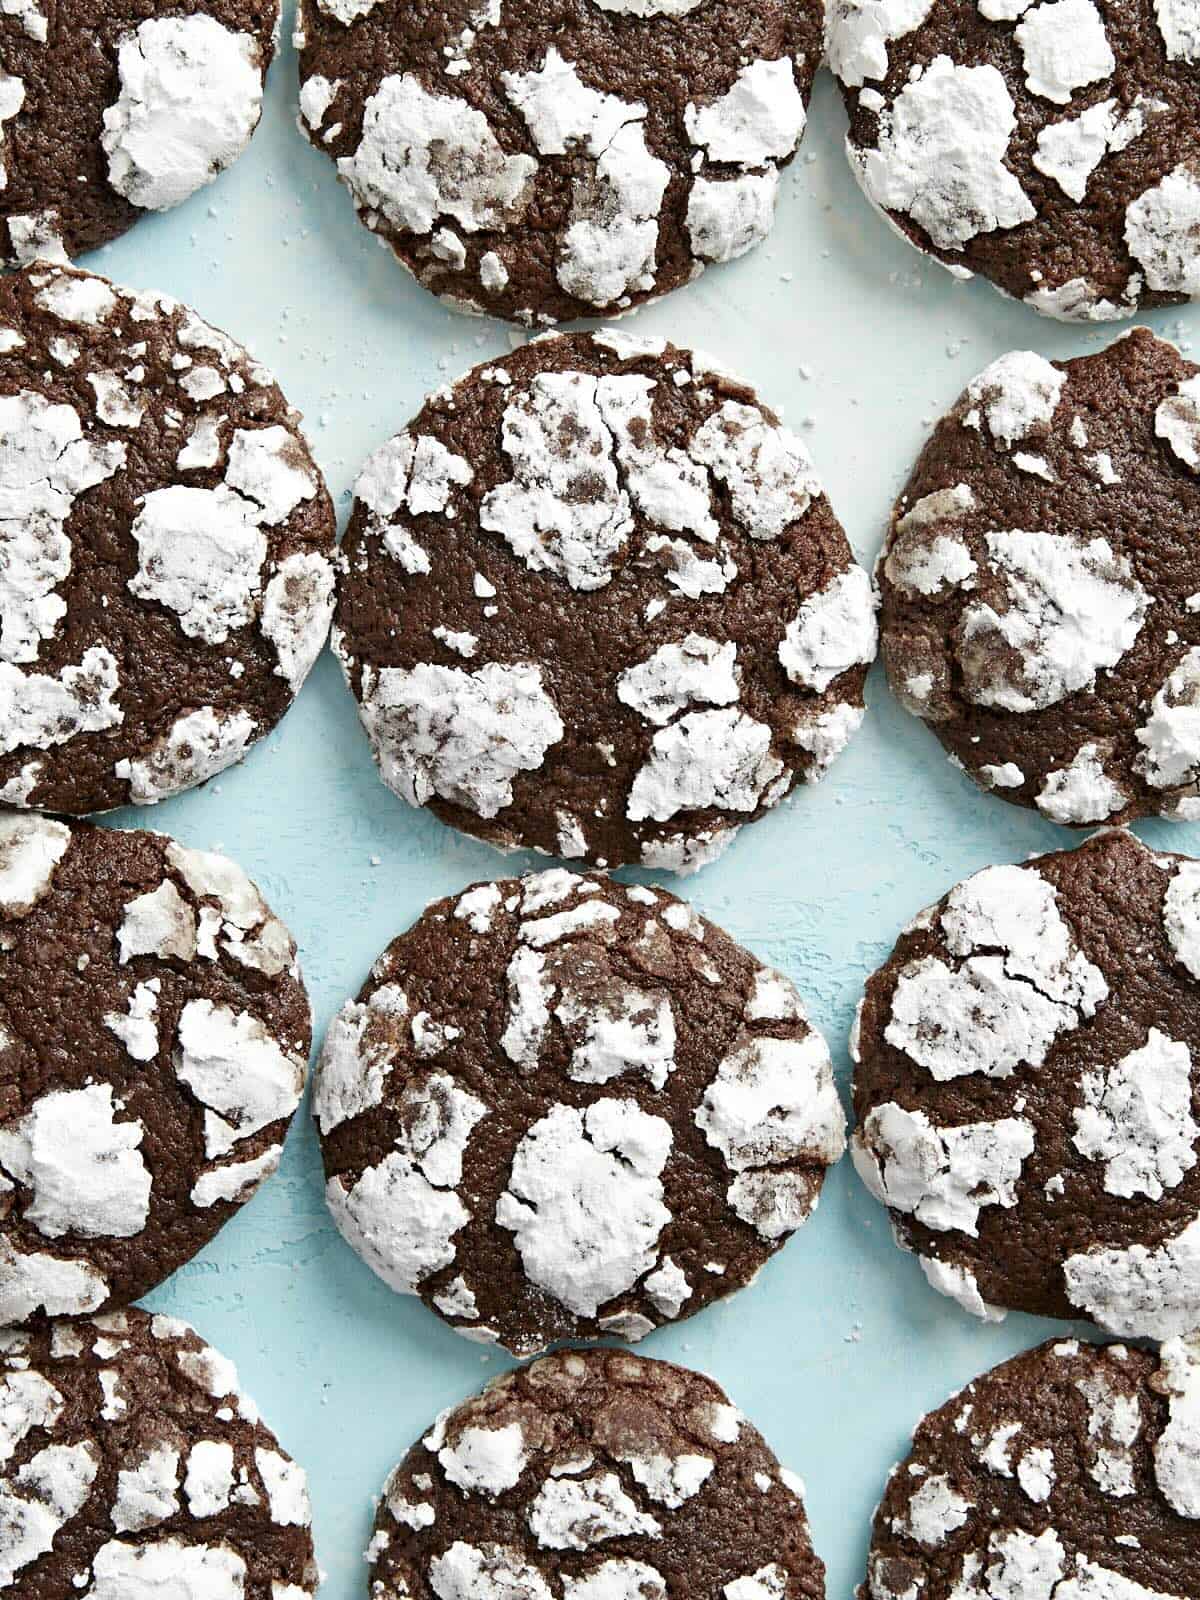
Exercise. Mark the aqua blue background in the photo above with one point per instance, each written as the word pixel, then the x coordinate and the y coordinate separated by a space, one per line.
pixel 840 1346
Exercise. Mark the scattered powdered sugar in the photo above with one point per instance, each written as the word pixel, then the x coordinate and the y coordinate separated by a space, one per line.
pixel 585 1200
pixel 191 96
pixel 941 154
pixel 1070 608
pixel 1136 1118
pixel 943 1176
pixel 461 735
pixel 995 1012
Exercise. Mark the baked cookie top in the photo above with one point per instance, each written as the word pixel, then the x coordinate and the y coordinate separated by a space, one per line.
pixel 168 578
pixel 1053 146
pixel 109 111
pixel 594 601
pixel 588 1475
pixel 1027 1088
pixel 549 159
pixel 154 1033
pixel 131 1464
pixel 1041 583
pixel 562 1107
pixel 1068 1473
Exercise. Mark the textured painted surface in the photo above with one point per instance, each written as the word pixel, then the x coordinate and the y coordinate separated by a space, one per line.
pixel 839 1347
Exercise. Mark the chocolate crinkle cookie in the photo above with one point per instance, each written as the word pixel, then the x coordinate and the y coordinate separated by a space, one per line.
pixel 1028 1089
pixel 595 602
pixel 111 110
pixel 1068 1473
pixel 548 159
pixel 1041 583
pixel 153 1039
pixel 167 579
pixel 1053 146
pixel 594 1476
pixel 132 1466
pixel 563 1107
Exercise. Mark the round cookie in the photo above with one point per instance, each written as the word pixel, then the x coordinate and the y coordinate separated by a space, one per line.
pixel 167 577
pixel 1027 1088
pixel 1068 1473
pixel 109 111
pixel 1041 583
pixel 543 160
pixel 153 1039
pixel 563 1108
pixel 595 603
pixel 1052 146
pixel 131 1465
pixel 594 1473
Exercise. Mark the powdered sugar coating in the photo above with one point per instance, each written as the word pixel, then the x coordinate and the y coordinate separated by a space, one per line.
pixel 607 479
pixel 169 1107
pixel 1029 1481
pixel 228 540
pixel 190 98
pixel 570 1138
pixel 1010 1074
pixel 180 1497
pixel 586 176
pixel 1015 606
pixel 160 106
pixel 599 1472
pixel 957 121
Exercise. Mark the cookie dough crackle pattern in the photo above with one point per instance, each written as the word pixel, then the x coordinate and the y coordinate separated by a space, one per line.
pixel 109 111
pixel 153 1038
pixel 132 1465
pixel 1026 1089
pixel 1041 583
pixel 588 1476
pixel 1069 1473
pixel 166 543
pixel 563 1108
pixel 1051 145
pixel 595 602
pixel 548 159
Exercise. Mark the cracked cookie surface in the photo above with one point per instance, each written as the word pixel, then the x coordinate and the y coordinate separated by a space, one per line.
pixel 132 1464
pixel 594 601
pixel 1052 147
pixel 1068 1473
pixel 1027 1089
pixel 109 111
pixel 154 1033
pixel 543 160
pixel 168 546
pixel 1041 583
pixel 594 1474
pixel 565 1108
